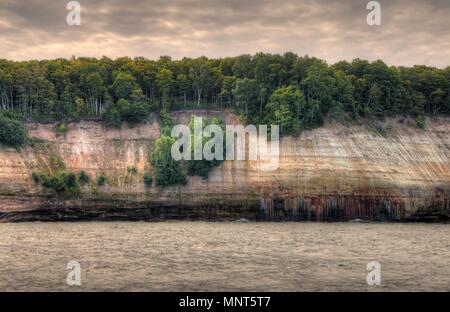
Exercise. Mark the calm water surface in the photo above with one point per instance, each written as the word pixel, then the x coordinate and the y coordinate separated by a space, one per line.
pixel 200 256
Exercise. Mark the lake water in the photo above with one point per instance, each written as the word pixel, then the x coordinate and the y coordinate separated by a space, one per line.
pixel 230 256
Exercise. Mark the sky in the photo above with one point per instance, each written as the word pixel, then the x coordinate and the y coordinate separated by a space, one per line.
pixel 411 31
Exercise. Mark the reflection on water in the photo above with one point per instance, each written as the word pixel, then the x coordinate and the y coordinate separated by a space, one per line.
pixel 234 256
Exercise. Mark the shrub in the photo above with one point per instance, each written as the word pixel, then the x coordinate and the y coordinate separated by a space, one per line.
pixel 61 128
pixel 64 183
pixel 133 113
pixel 70 179
pixel 112 118
pixel 56 162
pixel 101 180
pixel 420 121
pixel 132 170
pixel 36 177
pixel 148 179
pixel 34 142
pixel 166 121
pixel 83 177
pixel 12 115
pixel 12 131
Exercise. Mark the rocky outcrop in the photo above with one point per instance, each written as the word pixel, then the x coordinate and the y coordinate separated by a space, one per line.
pixel 332 173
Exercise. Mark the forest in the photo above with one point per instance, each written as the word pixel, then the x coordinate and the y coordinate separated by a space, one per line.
pixel 295 92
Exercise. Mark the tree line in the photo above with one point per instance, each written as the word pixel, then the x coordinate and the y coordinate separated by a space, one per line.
pixel 296 92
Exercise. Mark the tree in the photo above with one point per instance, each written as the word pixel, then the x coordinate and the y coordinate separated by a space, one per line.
pixel 164 81
pixel 246 95
pixel 286 108
pixel 6 90
pixel 203 167
pixel 437 100
pixel 228 85
pixel 138 110
pixel 12 132
pixel 93 89
pixel 124 85
pixel 320 87
pixel 375 100
pixel 76 88
pixel 134 111
pixel 78 107
pixel 200 73
pixel 242 67
pixel 344 92
pixel 184 85
pixel 112 117
pixel 168 171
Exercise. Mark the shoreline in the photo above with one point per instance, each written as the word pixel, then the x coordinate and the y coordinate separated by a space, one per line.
pixel 146 215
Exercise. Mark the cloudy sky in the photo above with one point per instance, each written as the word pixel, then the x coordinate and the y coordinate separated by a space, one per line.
pixel 412 31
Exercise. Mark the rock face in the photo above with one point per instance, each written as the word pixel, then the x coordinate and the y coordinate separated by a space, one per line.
pixel 332 173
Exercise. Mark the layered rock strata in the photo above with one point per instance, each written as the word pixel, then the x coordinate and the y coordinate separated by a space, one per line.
pixel 333 173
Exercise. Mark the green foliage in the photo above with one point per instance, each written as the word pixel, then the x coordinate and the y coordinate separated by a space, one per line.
pixel 420 121
pixel 34 142
pixel 12 115
pixel 56 162
pixel 83 177
pixel 166 122
pixel 36 177
pixel 132 170
pixel 164 82
pixel 101 180
pixel 168 171
pixel 246 95
pixel 64 183
pixel 124 85
pixel 112 118
pixel 133 112
pixel 12 132
pixel 148 179
pixel 295 92
pixel 203 167
pixel 281 107
pixel 125 89
pixel 61 128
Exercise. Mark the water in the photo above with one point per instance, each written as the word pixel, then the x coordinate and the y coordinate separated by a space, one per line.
pixel 233 256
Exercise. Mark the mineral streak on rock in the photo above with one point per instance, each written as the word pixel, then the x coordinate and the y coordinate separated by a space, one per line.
pixel 332 173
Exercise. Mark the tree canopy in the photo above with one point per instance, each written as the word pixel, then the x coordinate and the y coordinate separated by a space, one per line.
pixel 167 171
pixel 12 132
pixel 304 88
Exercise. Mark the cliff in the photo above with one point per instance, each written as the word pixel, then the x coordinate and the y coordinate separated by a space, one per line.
pixel 332 173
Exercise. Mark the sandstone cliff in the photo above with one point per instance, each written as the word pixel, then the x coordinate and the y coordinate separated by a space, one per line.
pixel 335 172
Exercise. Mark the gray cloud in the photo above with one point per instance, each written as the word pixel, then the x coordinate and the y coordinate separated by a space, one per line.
pixel 412 31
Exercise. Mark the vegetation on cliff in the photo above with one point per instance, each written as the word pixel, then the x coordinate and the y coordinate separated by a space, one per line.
pixel 12 132
pixel 132 112
pixel 83 177
pixel 64 183
pixel 148 179
pixel 101 180
pixel 203 167
pixel 168 171
pixel 295 92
